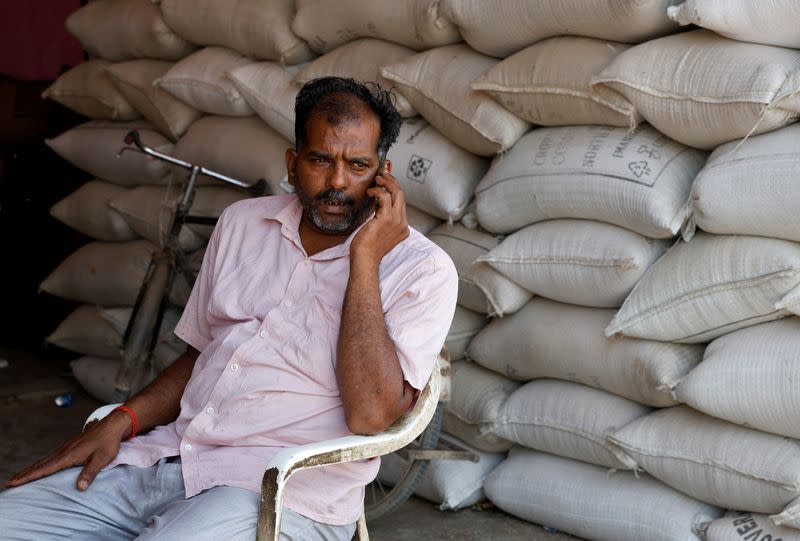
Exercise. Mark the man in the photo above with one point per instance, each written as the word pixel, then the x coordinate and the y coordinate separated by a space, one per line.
pixel 314 315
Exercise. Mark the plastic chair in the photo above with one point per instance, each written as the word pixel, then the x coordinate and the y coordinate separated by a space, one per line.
pixel 346 449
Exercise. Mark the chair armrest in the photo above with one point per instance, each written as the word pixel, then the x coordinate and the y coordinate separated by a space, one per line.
pixel 99 413
pixel 346 449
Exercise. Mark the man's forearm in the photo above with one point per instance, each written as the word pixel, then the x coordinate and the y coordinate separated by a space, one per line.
pixel 370 379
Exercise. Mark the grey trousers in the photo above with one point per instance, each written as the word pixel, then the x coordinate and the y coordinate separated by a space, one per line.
pixel 127 502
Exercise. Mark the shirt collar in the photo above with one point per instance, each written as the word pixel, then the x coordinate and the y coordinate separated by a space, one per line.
pixel 289 218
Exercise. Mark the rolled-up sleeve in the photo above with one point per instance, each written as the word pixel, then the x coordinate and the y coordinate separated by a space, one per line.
pixel 419 315
pixel 193 327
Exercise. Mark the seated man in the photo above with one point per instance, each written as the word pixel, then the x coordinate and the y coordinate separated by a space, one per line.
pixel 314 315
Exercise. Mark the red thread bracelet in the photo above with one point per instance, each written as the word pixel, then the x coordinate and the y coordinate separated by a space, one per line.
pixel 132 415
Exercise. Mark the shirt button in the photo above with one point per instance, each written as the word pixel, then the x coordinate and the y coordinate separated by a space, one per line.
pixel 288 304
pixel 210 410
pixel 187 447
pixel 262 334
pixel 234 367
pixel 307 261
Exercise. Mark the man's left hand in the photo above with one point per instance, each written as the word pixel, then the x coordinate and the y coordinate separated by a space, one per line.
pixel 388 228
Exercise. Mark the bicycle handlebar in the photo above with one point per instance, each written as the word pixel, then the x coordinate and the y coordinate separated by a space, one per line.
pixel 133 138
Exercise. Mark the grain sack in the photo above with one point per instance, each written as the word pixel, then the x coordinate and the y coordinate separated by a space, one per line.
pixel 742 525
pixel 567 419
pixel 200 80
pixel 544 85
pixel 134 79
pixel 771 23
pixel 473 435
pixel 466 324
pixel 85 331
pixel 707 89
pixel 148 210
pixel 168 346
pixel 465 246
pixel 453 484
pixel 747 377
pixel 93 147
pixel 436 83
pixel 126 29
pixel 96 375
pixel 86 210
pixel 108 274
pixel 500 29
pixel 752 189
pixel 268 88
pixel 711 286
pixel 327 24
pixel 242 148
pixel 255 28
pixel 210 201
pixel 546 339
pixel 576 261
pixel 87 90
pixel 360 60
pixel 476 398
pixel 421 221
pixel 436 175
pixel 585 500
pixel 713 460
pixel 639 180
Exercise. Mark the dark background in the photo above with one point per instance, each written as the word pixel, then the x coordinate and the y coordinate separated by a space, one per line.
pixel 34 49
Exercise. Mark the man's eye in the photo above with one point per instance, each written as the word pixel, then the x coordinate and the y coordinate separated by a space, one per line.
pixel 360 165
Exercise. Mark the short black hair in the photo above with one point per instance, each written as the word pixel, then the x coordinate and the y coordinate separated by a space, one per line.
pixel 320 95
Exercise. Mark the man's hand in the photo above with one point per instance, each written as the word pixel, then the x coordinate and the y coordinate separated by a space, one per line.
pixel 93 449
pixel 388 228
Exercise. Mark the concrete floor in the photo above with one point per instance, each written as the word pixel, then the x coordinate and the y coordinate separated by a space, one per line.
pixel 32 426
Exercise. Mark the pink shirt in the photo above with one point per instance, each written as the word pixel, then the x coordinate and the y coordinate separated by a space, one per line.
pixel 265 318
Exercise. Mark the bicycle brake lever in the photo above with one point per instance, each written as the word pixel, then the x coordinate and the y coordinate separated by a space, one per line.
pixel 132 138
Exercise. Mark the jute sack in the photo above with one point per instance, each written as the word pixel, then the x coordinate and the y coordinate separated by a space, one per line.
pixel 436 83
pixel 436 175
pixel 465 246
pixel 711 286
pixel 743 525
pixel 255 28
pixel 125 29
pixel 771 23
pixel 242 148
pixel 544 85
pixel 108 274
pixel 93 147
pixel 168 346
pixel 752 189
pixel 706 90
pixel 568 419
pixel 85 331
pixel 546 339
pixel 98 375
pixel 134 80
pixel 585 500
pixel 453 484
pixel 327 24
pixel 420 220
pixel 639 180
pixel 501 29
pixel 200 80
pixel 87 90
pixel 713 460
pixel 476 398
pixel 466 324
pixel 747 377
pixel 360 60
pixel 576 261
pixel 87 210
pixel 268 88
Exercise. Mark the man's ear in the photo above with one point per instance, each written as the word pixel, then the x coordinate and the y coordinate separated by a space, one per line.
pixel 388 166
pixel 291 161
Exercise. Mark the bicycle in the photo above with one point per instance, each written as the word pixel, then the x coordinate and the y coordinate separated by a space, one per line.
pixel 143 327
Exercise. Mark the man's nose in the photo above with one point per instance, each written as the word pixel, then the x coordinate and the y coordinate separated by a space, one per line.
pixel 338 177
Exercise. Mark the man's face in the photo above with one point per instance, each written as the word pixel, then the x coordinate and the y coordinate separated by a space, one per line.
pixel 333 170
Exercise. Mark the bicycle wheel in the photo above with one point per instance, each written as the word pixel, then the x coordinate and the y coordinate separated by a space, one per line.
pixel 381 498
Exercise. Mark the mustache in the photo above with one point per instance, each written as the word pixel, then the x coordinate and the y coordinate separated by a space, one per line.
pixel 334 196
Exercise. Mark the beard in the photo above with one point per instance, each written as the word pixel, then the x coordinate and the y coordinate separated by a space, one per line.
pixel 346 222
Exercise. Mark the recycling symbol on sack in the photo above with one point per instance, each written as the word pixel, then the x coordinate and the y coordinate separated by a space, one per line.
pixel 640 168
pixel 418 168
